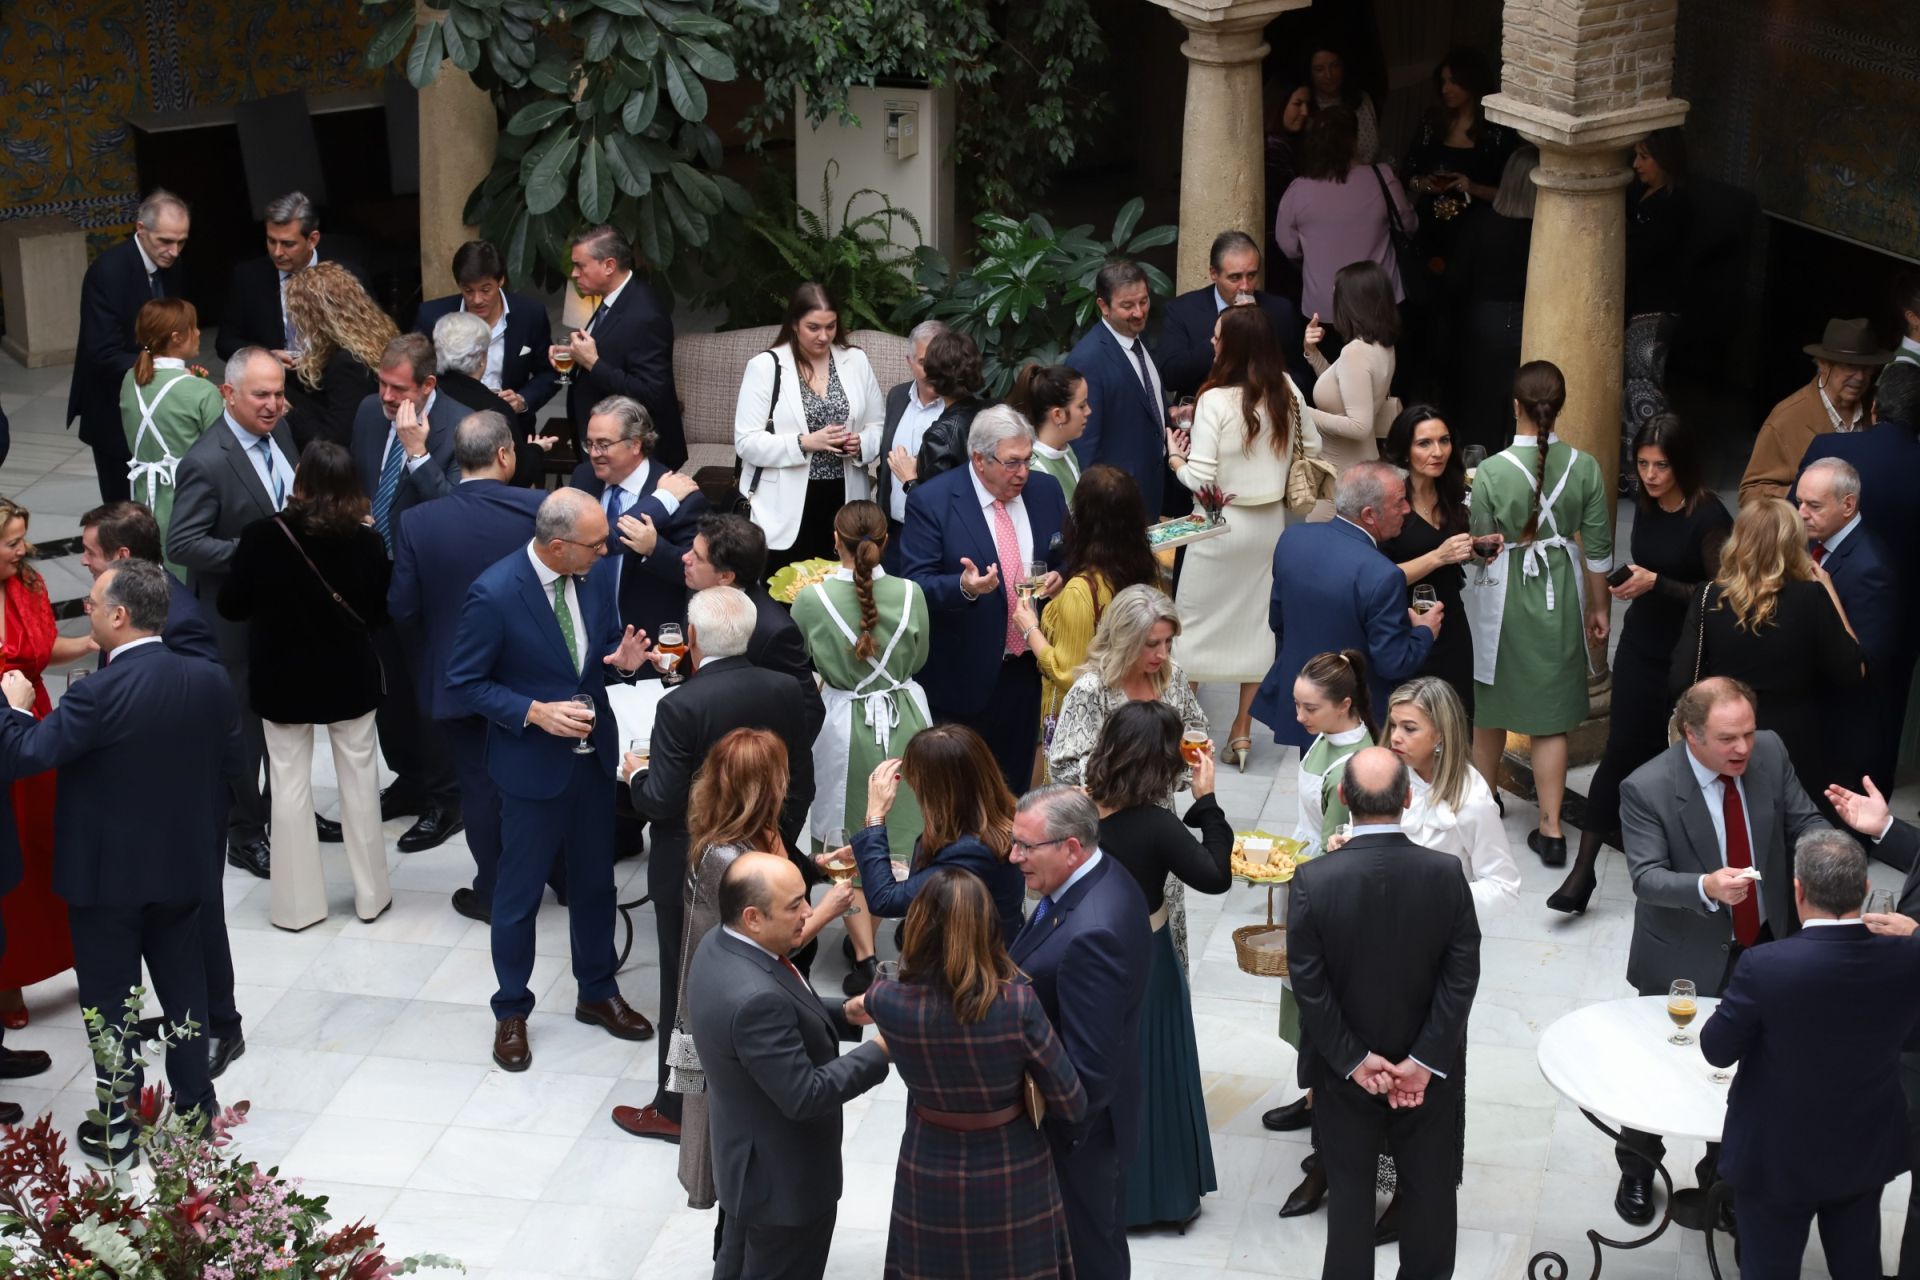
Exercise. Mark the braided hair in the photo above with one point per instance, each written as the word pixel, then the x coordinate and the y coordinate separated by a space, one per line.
pixel 861 529
pixel 1540 390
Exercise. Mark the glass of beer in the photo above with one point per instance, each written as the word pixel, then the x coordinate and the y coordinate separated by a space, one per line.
pixel 838 862
pixel 643 748
pixel 584 747
pixel 1424 598
pixel 672 648
pixel 562 357
pixel 1193 745
pixel 1681 1007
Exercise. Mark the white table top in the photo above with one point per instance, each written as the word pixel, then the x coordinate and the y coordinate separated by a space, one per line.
pixel 1613 1060
pixel 634 706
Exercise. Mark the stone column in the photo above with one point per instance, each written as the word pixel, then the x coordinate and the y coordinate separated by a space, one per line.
pixel 458 130
pixel 1223 145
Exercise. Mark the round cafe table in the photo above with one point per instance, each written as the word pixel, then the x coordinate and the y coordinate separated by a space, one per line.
pixel 1613 1061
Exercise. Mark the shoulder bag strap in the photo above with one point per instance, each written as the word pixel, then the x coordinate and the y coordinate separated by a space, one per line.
pixel 328 586
pixel 1393 211
pixel 773 402
pixel 1700 633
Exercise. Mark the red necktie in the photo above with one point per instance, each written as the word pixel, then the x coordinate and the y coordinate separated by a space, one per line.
pixel 1746 915
pixel 1013 571
pixel 1818 551
pixel 795 972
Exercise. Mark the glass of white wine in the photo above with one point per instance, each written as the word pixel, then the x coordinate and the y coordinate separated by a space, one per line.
pixel 839 864
pixel 1682 1008
pixel 584 747
pixel 1425 597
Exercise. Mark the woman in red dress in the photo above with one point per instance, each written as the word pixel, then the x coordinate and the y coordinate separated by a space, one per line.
pixel 38 945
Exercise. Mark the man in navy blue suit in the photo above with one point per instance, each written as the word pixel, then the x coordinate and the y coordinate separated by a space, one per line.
pixel 538 632
pixel 626 347
pixel 1184 353
pixel 652 510
pixel 117 284
pixel 1086 948
pixel 1129 421
pixel 1869 587
pixel 441 548
pixel 1333 590
pixel 152 734
pixel 517 364
pixel 256 314
pixel 1817 1022
pixel 969 537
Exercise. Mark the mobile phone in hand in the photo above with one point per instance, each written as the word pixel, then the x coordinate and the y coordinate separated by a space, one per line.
pixel 1618 578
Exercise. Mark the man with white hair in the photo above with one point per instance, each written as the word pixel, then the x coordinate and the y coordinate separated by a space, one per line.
pixel 970 538
pixel 117 284
pixel 726 692
pixel 461 341
pixel 519 331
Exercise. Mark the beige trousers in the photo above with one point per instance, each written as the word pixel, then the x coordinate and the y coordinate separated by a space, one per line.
pixel 299 887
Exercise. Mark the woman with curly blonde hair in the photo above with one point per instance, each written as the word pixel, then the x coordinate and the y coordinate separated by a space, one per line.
pixel 1771 618
pixel 341 333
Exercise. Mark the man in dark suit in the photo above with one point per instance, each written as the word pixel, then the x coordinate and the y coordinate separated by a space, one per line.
pixel 256 314
pixel 538 632
pixel 111 535
pixel 1384 949
pixel 912 407
pixel 731 551
pixel 117 284
pixel 1807 1133
pixel 1086 948
pixel 626 347
pixel 519 330
pixel 1129 421
pixel 1697 821
pixel 240 470
pixel 725 692
pixel 440 548
pixel 1866 580
pixel 969 536
pixel 403 453
pixel 460 345
pixel 651 508
pixel 776 1080
pixel 1887 456
pixel 153 733
pixel 1333 590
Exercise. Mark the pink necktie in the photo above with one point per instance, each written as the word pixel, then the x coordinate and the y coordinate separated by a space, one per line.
pixel 1012 570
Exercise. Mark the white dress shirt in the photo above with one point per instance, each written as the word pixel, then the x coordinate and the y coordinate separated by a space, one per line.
pixel 907 434
pixel 1832 541
pixel 547 578
pixel 1133 366
pixel 1022 527
pixel 133 644
pixel 250 443
pixel 607 300
pixel 1715 792
pixel 496 346
pixel 393 438
pixel 1815 924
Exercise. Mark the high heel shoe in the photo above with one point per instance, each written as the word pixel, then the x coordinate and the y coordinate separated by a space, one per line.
pixel 1240 749
pixel 1307 1196
pixel 1577 890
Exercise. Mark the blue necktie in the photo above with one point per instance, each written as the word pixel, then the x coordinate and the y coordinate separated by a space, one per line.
pixel 1041 910
pixel 383 496
pixel 274 486
pixel 616 507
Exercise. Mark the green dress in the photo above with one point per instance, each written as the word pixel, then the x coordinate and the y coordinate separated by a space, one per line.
pixel 873 707
pixel 1060 464
pixel 1529 624
pixel 162 420
pixel 1321 810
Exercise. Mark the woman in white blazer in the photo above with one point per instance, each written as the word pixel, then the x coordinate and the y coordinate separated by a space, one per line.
pixel 806 426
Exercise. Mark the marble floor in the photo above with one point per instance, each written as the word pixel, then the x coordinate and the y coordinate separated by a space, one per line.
pixel 368 1064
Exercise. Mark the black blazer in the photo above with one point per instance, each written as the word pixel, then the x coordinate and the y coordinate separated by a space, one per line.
pixel 529 467
pixel 146 749
pixel 326 412
pixel 653 589
pixel 635 338
pixel 1384 950
pixel 524 365
pixel 723 695
pixel 311 663
pixel 777 645
pixel 186 633
pixel 433 478
pixel 1184 354
pixel 253 316
pixel 111 295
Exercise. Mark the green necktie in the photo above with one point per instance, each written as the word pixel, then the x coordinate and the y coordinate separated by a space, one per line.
pixel 563 614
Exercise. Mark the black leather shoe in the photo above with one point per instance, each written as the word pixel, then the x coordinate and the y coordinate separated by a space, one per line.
pixel 1552 849
pixel 221 1051
pixel 395 803
pixel 253 857
pixel 1387 1230
pixel 1573 896
pixel 17 1064
pixel 12 1113
pixel 467 903
pixel 1307 1196
pixel 434 826
pixel 92 1141
pixel 327 829
pixel 1295 1115
pixel 1634 1200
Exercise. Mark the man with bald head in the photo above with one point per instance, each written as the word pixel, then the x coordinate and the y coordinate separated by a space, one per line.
pixel 775 1078
pixel 530 656
pixel 240 470
pixel 1384 950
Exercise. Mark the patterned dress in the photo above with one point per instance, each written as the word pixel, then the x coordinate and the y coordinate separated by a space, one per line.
pixel 984 1203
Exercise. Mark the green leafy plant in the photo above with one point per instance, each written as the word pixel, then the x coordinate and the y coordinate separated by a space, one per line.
pixel 1029 291
pixel 860 260
pixel 605 107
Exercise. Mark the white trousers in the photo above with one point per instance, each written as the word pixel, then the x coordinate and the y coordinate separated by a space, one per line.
pixel 299 887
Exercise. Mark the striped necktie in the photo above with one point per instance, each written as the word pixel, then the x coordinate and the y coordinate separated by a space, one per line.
pixel 274 485
pixel 383 495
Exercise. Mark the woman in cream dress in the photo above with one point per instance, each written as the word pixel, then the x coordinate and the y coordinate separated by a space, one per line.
pixel 1351 404
pixel 1247 424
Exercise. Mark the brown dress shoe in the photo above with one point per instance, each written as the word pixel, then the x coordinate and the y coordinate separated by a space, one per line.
pixel 510 1044
pixel 645 1122
pixel 617 1016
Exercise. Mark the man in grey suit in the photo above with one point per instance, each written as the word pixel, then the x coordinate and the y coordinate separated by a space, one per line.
pixel 1709 826
pixel 912 407
pixel 403 453
pixel 775 1078
pixel 240 470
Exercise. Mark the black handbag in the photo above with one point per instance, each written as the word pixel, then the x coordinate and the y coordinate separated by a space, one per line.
pixel 1416 282
pixel 743 498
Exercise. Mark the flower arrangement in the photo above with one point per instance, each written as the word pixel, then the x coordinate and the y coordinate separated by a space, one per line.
pixel 1211 500
pixel 202 1213
pixel 199 371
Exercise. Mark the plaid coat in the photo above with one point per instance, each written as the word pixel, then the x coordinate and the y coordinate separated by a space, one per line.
pixel 984 1205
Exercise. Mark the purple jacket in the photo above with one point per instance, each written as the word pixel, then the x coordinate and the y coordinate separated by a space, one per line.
pixel 1324 225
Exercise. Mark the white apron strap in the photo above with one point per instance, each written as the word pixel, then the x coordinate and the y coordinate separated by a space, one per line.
pixel 1533 557
pixel 160 471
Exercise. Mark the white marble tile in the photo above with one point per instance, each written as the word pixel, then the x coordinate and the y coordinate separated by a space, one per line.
pixel 417 916
pixel 616 1170
pixel 330 1021
pixel 473 1229
pixel 275 1078
pixel 400 1089
pixel 349 1202
pixel 485 1162
pixel 560 1043
pixel 383 1153
pixel 437 1032
pixel 552 1102
pixel 358 966
pixel 582 1240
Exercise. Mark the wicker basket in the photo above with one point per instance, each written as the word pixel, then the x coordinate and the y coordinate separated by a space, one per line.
pixel 1267 961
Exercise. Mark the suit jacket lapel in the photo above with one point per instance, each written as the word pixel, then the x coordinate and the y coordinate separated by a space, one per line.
pixel 540 603
pixel 798 992
pixel 1127 364
pixel 973 517
pixel 243 467
pixel 1695 820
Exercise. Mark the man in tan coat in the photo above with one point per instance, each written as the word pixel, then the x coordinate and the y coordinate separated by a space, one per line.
pixel 1846 357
